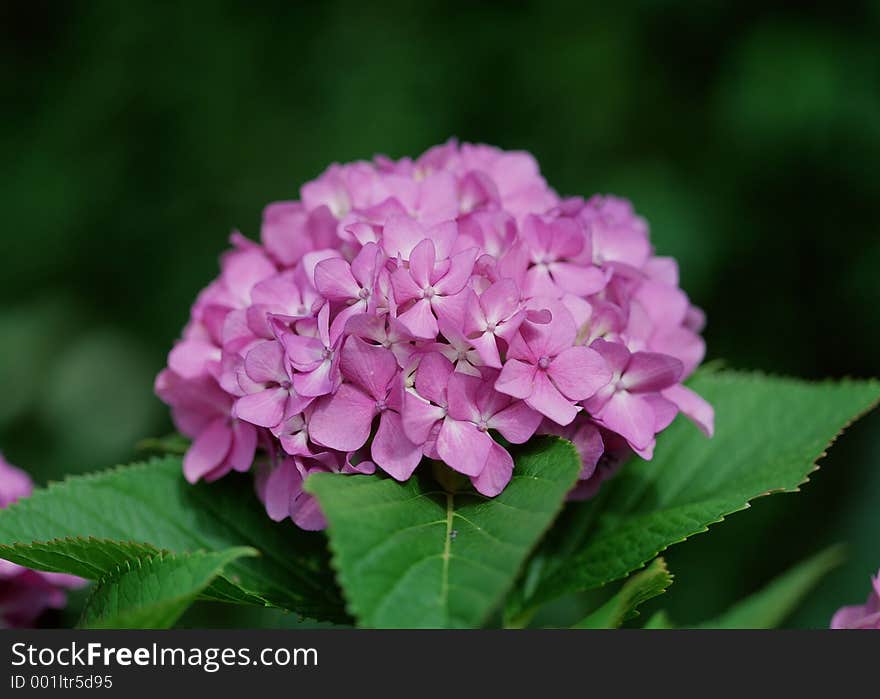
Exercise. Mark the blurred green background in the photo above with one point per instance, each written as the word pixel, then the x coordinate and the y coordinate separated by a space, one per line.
pixel 135 136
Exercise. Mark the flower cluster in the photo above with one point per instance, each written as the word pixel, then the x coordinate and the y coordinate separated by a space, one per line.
pixel 861 616
pixel 421 308
pixel 24 593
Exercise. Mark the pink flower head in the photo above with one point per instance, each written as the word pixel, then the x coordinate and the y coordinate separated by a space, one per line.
pixel 861 616
pixel 24 593
pixel 438 307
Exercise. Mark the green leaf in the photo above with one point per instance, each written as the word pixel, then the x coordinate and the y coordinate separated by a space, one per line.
pixel 659 620
pixel 770 432
pixel 89 525
pixel 638 589
pixel 410 555
pixel 771 605
pixel 153 591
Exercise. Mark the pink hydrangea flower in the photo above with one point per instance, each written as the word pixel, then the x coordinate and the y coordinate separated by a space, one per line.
pixel 861 616
pixel 437 307
pixel 24 593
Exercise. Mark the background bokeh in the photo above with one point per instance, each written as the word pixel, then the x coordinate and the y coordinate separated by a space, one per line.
pixel 135 136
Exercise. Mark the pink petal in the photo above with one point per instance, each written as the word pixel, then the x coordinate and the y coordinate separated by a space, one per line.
pixel 14 484
pixel 392 451
pixel 666 305
pixel 243 270
pixel 848 617
pixel 419 417
pixel 296 444
pixel 682 343
pixel 664 411
pixel 343 421
pixel 472 318
pixel 496 473
pixel 191 358
pixel 500 301
pixel 461 267
pixel 463 447
pixel 244 446
pixel 516 423
pixel 264 409
pixel 400 235
pixel 648 372
pixel 432 377
pixel 516 379
pixel 444 235
pixel 461 393
pixel 450 308
pixel 487 347
pixel 421 263
pixel 333 278
pixel 518 348
pixel 631 417
pixel 578 279
pixel 547 400
pixel 536 234
pixel 549 339
pixel 306 513
pixel 304 352
pixel 420 321
pixel 368 327
pixel 438 197
pixel 538 282
pixel 370 367
pixel 363 266
pixel 568 237
pixel 700 412
pixel 588 442
pixel 283 485
pixel 404 286
pixel 663 269
pixel 615 353
pixel 539 316
pixel 363 233
pixel 579 372
pixel 208 451
pixel 318 382
pixel 340 323
pixel 265 363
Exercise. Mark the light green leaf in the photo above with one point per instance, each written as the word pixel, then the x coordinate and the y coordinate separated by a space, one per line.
pixel 638 589
pixel 659 620
pixel 770 432
pixel 153 591
pixel 771 605
pixel 412 555
pixel 89 525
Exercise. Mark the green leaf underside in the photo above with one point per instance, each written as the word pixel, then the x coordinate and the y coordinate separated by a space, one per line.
pixel 772 604
pixel 638 589
pixel 153 591
pixel 90 525
pixel 410 555
pixel 769 434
